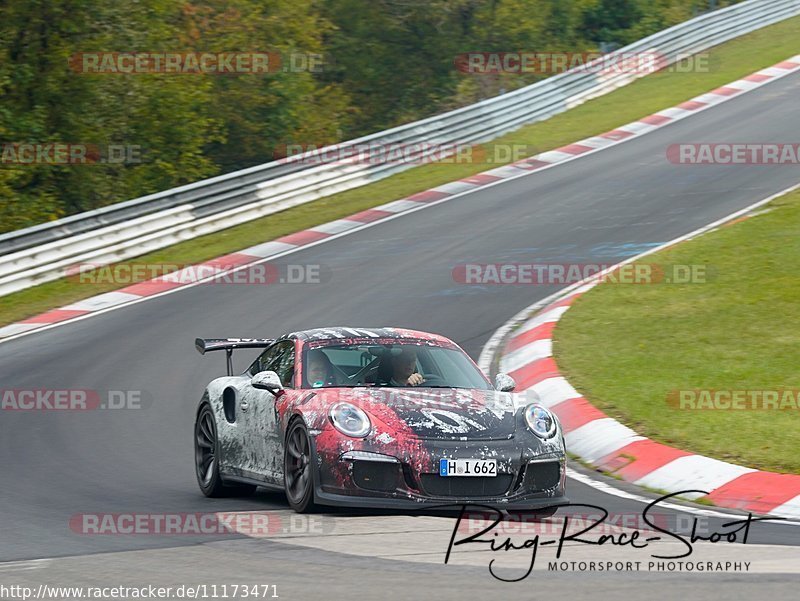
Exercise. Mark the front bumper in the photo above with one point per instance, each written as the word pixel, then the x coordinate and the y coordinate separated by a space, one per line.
pixel 526 480
pixel 449 504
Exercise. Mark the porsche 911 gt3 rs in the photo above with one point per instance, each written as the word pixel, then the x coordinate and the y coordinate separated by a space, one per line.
pixel 383 417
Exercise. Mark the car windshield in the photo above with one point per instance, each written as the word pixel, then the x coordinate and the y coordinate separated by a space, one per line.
pixel 395 363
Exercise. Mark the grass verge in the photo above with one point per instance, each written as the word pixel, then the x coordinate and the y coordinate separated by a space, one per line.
pixel 727 62
pixel 737 328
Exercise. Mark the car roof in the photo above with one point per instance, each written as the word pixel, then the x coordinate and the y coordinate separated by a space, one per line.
pixel 332 333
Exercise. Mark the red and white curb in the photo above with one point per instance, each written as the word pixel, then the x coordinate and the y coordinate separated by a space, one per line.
pixel 287 244
pixel 525 348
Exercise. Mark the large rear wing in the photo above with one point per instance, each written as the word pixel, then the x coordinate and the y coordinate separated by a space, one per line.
pixel 207 345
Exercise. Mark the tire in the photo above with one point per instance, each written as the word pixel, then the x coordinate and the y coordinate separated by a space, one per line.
pixel 206 454
pixel 298 480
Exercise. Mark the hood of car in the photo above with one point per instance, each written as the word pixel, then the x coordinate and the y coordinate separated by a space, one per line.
pixel 440 413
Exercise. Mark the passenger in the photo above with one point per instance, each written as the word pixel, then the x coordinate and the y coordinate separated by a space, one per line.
pixel 320 371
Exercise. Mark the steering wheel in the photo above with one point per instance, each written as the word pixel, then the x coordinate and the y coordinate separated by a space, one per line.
pixel 432 380
pixel 359 375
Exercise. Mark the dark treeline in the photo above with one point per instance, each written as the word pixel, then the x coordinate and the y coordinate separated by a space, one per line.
pixel 384 62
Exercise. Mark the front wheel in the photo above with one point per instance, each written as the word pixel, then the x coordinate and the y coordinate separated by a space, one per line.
pixel 297 468
pixel 206 454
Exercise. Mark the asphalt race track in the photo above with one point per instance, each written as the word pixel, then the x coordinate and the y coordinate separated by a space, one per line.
pixel 597 209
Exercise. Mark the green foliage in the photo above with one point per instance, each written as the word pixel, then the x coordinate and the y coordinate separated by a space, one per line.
pixel 43 101
pixel 387 62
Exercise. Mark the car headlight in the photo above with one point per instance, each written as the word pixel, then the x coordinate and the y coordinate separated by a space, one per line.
pixel 350 420
pixel 540 421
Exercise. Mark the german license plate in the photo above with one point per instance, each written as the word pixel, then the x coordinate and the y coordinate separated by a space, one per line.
pixel 468 467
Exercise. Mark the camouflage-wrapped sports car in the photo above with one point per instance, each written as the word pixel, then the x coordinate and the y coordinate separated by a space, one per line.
pixel 383 417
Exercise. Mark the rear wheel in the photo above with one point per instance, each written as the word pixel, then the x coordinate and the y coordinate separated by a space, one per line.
pixel 297 468
pixel 206 453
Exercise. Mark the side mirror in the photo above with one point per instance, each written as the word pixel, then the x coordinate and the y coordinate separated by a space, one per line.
pixel 267 380
pixel 504 383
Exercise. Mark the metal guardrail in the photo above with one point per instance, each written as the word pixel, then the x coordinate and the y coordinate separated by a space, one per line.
pixel 44 252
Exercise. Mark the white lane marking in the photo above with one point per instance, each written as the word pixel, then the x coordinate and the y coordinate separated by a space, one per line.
pixel 608 489
pixel 455 187
pixel 583 288
pixel 25 565
pixel 399 206
pixel 101 301
pixel 790 509
pixel 599 437
pixel 335 227
pixel 673 113
pixel 693 471
pixel 553 391
pixel 268 249
pixel 712 99
pixel 538 349
pixel 555 156
pixel 772 72
pixel 514 173
pixel 508 172
pixel 595 142
pixel 13 330
pixel 638 127
pixel 743 84
pixel 548 317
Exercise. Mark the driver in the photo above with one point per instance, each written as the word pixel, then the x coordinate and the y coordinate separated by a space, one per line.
pixel 320 371
pixel 403 369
